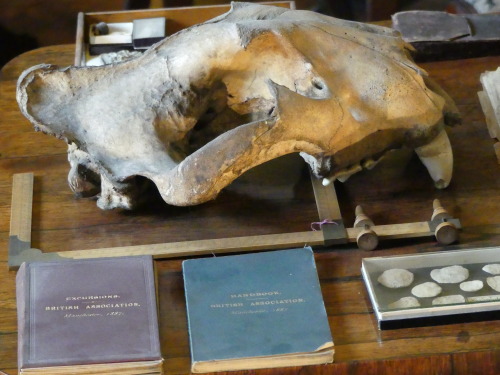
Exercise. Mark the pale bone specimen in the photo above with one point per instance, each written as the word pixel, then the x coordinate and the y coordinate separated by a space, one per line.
pixel 210 102
pixel 427 289
pixel 494 282
pixel 396 278
pixel 471 286
pixel 493 268
pixel 450 275
pixel 404 303
pixel 448 300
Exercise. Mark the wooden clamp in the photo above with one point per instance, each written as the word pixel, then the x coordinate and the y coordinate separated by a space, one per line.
pixel 20 216
pixel 333 229
pixel 442 226
pixel 366 234
pixel 20 249
pixel 366 239
pixel 333 232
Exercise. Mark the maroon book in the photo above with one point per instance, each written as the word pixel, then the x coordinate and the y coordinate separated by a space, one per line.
pixel 88 314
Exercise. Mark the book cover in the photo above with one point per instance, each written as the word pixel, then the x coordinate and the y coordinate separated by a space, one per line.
pixel 89 311
pixel 256 311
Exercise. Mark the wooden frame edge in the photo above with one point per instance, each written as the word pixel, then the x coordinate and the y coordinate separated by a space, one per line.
pixel 20 249
pixel 332 232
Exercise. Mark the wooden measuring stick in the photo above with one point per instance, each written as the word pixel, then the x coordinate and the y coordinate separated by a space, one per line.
pixel 21 206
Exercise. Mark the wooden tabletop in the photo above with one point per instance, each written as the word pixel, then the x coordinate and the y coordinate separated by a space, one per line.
pixel 397 191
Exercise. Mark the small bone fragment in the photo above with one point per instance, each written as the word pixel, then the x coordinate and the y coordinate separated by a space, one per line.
pixel 113 58
pixel 101 28
pixel 404 303
pixel 427 289
pixel 493 269
pixel 396 278
pixel 494 297
pixel 471 286
pixel 448 300
pixel 450 275
pixel 494 283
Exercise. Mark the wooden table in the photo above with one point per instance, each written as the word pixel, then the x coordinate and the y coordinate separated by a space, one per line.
pixel 392 193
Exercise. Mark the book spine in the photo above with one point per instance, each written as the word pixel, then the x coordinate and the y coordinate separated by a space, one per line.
pixel 22 297
pixel 191 344
pixel 153 303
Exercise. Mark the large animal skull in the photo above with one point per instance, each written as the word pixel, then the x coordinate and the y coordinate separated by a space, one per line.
pixel 200 108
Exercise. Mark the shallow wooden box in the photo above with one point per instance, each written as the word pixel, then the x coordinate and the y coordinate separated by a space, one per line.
pixel 177 19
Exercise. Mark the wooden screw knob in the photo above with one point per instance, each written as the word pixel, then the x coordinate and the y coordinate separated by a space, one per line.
pixel 367 239
pixel 361 219
pixel 446 233
pixel 439 212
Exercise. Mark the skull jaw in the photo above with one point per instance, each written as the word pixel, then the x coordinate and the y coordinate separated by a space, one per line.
pixel 195 181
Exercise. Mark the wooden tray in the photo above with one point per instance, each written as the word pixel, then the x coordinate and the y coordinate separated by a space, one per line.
pixel 177 19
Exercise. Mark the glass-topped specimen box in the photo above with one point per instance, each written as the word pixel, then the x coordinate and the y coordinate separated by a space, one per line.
pixel 462 305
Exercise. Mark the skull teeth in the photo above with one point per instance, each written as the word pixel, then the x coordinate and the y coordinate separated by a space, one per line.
pixel 437 157
pixel 343 174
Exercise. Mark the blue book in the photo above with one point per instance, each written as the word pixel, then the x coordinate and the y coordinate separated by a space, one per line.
pixel 257 310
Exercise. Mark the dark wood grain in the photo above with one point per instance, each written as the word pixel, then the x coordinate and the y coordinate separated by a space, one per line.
pixel 397 191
